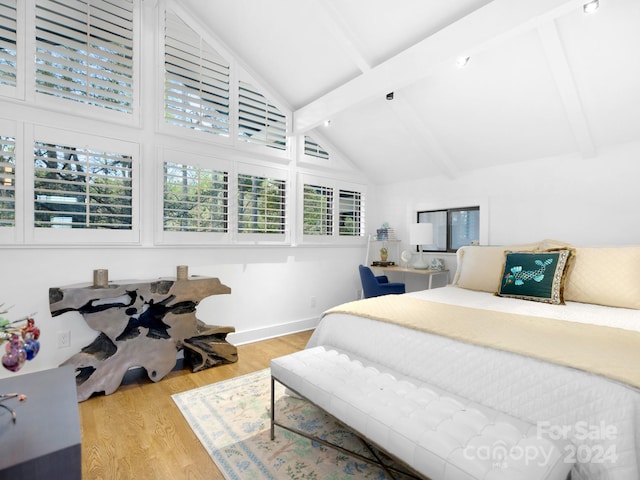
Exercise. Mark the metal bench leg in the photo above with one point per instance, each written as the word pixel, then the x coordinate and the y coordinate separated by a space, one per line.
pixel 273 409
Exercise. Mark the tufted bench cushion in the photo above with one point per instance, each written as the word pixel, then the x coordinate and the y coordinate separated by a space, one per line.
pixel 437 434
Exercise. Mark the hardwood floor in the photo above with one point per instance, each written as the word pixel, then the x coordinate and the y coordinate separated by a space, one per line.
pixel 138 432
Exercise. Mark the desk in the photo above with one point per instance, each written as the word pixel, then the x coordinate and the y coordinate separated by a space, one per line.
pixel 414 271
pixel 44 443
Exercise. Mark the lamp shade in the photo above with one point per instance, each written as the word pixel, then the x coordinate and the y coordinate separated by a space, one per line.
pixel 421 234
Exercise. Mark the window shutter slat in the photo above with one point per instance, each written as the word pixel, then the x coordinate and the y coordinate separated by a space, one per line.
pixel 351 213
pixel 84 52
pixel 82 188
pixel 8 42
pixel 317 210
pixel 195 199
pixel 196 81
pixel 7 182
pixel 312 148
pixel 260 122
pixel 261 205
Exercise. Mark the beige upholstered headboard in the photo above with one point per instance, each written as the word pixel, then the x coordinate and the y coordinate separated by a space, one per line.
pixel 601 275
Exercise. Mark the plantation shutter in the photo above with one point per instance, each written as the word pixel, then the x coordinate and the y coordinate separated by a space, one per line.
pixel 84 51
pixel 196 81
pixel 8 42
pixel 81 188
pixel 350 213
pixel 317 210
pixel 259 121
pixel 195 199
pixel 261 205
pixel 7 182
pixel 312 148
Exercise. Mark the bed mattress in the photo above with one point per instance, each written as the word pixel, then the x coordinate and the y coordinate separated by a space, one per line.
pixel 599 416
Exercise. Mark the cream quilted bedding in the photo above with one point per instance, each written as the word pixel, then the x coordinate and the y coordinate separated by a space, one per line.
pixel 561 400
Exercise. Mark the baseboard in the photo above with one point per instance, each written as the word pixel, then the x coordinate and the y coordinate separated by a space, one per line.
pixel 250 336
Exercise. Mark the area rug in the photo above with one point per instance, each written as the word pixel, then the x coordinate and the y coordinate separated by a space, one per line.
pixel 232 420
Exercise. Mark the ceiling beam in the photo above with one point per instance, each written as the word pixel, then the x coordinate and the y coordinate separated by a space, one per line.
pixel 495 22
pixel 340 32
pixel 561 71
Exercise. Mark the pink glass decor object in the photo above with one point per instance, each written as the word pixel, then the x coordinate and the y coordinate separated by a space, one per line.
pixel 21 337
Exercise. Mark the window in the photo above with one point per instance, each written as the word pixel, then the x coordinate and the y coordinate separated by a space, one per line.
pixel 7 182
pixel 350 213
pixel 313 149
pixel 8 42
pixel 452 228
pixel 84 51
pixel 81 188
pixel 261 205
pixel 196 81
pixel 195 199
pixel 329 211
pixel 317 210
pixel 259 122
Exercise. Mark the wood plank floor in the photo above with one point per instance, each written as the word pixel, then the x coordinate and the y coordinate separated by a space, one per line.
pixel 138 432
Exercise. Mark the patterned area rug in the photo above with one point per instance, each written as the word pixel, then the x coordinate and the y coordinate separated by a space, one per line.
pixel 232 420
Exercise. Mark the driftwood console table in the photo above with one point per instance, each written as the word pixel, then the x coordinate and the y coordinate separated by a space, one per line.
pixel 142 324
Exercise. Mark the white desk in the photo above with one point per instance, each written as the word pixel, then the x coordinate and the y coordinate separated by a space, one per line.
pixel 413 271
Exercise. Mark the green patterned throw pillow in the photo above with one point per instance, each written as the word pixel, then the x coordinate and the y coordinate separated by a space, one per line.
pixel 537 276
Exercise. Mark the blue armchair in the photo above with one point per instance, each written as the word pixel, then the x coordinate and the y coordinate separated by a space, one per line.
pixel 373 286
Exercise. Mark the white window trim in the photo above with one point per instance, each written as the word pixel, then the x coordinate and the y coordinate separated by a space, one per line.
pixel 65 236
pixel 14 234
pixel 191 238
pixel 79 109
pixel 236 73
pixel 17 92
pixel 336 185
pixel 259 238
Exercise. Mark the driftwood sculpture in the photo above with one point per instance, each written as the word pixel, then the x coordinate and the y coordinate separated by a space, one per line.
pixel 142 324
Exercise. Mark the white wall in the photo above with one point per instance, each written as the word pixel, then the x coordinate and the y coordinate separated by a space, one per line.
pixel 273 289
pixel 592 201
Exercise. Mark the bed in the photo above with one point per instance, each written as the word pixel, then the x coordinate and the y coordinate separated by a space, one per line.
pixel 581 385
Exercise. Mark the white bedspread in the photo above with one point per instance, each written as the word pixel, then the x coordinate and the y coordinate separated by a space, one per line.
pixel 601 417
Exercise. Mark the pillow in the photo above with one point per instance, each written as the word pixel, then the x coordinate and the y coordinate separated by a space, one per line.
pixel 537 276
pixel 479 267
pixel 605 276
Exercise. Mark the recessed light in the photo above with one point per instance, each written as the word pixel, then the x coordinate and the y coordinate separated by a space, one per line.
pixel 462 61
pixel 591 7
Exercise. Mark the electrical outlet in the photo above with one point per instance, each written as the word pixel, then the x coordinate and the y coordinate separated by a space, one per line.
pixel 64 339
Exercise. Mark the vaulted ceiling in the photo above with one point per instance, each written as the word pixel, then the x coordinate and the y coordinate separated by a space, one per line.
pixel 543 79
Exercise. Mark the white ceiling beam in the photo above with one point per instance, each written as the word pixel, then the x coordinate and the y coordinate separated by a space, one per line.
pixel 561 71
pixel 334 22
pixel 495 22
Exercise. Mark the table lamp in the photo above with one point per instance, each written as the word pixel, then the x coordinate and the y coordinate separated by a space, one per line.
pixel 421 234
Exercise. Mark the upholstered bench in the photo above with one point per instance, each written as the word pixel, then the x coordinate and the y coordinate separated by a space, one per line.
pixel 437 434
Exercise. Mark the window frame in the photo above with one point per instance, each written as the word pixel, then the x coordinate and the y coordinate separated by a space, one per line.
pixel 13 233
pixel 336 186
pixel 17 90
pixel 219 135
pixel 166 237
pixel 267 172
pixel 81 109
pixel 448 226
pixel 38 235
